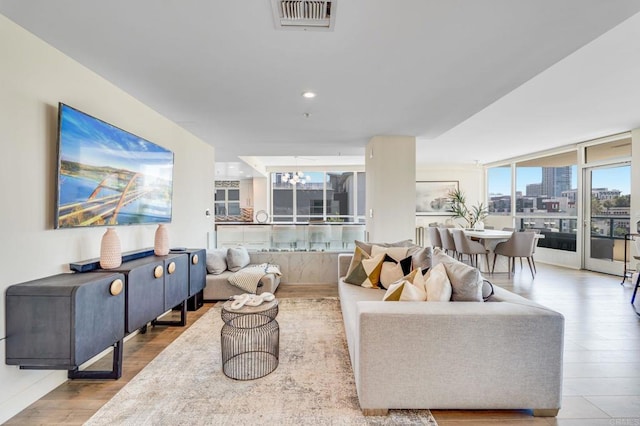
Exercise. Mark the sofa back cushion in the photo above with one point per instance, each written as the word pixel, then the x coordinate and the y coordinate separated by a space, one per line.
pixel 237 258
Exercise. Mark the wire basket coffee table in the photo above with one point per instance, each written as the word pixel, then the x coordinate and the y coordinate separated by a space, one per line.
pixel 250 340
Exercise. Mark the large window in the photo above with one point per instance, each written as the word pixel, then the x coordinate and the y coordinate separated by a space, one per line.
pixel 499 188
pixel 317 196
pixel 546 193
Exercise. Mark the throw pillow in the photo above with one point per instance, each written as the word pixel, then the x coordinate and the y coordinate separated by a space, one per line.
pixel 487 290
pixel 237 258
pixel 365 271
pixel 393 270
pixel 367 246
pixel 437 284
pixel 466 281
pixel 421 256
pixel 396 253
pixel 406 289
pixel 216 261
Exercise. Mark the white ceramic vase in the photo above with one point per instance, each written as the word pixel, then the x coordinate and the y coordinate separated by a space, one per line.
pixel 161 243
pixel 110 250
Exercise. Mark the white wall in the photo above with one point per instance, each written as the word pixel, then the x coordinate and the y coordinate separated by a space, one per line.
pixel 34 77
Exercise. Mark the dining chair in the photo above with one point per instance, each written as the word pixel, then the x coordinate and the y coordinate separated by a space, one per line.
pixel 535 243
pixel 471 248
pixel 519 245
pixel 319 234
pixel 351 233
pixel 434 237
pixel 284 235
pixel 448 245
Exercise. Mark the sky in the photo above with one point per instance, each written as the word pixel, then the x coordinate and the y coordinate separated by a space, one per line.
pixel 612 178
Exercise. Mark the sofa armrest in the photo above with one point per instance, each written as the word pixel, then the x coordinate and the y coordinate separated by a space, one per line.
pixel 479 355
pixel 344 260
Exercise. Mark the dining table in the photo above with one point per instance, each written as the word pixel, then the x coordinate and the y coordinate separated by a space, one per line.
pixel 491 237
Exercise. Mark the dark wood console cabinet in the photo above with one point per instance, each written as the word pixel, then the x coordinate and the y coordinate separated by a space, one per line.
pixel 60 322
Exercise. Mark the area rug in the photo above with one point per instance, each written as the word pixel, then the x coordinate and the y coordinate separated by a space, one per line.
pixel 312 385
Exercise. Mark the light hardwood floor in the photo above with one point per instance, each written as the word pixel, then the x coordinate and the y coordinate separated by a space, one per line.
pixel 601 356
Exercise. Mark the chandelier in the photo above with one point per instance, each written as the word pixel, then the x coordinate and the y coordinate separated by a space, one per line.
pixel 294 178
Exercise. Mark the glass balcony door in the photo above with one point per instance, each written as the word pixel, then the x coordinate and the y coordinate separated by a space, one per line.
pixel 606 216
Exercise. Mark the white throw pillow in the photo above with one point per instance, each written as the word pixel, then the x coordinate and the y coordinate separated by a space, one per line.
pixel 437 284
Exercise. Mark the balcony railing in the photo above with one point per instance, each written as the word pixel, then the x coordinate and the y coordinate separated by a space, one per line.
pixel 291 237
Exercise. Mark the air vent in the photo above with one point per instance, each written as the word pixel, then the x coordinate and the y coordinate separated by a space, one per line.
pixel 304 14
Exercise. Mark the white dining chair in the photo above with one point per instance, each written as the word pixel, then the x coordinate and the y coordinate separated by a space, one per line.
pixel 471 248
pixel 448 245
pixel 521 244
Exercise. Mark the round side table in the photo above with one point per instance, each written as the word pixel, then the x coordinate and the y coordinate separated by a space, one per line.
pixel 250 340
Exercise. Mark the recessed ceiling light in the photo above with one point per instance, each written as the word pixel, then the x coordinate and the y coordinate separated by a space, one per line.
pixel 308 94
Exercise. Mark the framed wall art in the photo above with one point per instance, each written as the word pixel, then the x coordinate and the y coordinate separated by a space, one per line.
pixel 432 197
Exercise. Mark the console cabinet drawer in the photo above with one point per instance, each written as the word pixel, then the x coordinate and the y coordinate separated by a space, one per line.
pixel 176 280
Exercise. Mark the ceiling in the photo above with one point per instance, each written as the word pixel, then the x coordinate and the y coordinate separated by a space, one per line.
pixel 472 80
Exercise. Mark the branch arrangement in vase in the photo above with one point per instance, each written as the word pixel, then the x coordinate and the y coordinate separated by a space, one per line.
pixel 472 215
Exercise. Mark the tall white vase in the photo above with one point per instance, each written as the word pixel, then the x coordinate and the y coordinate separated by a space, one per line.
pixel 161 243
pixel 110 250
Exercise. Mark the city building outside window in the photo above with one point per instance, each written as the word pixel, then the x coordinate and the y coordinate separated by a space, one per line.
pixel 317 196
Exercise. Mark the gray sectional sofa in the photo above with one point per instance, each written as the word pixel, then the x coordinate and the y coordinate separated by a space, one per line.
pixel 505 353
pixel 217 285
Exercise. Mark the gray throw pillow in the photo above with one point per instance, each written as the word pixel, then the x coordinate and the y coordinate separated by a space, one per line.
pixel 466 280
pixel 216 261
pixel 237 258
pixel 420 257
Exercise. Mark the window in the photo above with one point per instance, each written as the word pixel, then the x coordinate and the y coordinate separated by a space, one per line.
pixel 227 200
pixel 499 188
pixel 318 196
pixel 546 194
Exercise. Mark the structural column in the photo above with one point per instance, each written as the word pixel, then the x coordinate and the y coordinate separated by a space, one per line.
pixel 390 165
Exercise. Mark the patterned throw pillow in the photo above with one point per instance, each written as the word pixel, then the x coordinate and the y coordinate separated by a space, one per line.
pixel 408 289
pixel 364 270
pixel 393 270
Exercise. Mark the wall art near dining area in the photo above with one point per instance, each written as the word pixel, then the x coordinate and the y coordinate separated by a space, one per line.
pixel 432 197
